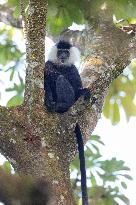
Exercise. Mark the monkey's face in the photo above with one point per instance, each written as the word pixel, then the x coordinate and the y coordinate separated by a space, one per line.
pixel 63 55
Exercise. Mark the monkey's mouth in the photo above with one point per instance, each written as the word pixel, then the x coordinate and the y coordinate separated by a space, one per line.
pixel 62 60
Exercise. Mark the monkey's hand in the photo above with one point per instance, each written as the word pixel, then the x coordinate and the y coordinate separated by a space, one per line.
pixel 62 107
pixel 85 92
pixel 51 107
pixel 87 95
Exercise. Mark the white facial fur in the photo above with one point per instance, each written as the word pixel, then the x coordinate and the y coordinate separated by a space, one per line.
pixel 74 55
pixel 53 54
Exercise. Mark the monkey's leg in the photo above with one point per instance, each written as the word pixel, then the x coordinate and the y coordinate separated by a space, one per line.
pixel 65 94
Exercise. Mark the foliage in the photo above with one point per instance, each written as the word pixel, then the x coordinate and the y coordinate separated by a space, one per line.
pixel 121 95
pixel 11 59
pixel 18 98
pixel 9 51
pixel 102 176
pixel 61 14
pixel 6 167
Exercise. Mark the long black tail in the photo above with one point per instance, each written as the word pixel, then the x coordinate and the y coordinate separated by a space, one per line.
pixel 82 164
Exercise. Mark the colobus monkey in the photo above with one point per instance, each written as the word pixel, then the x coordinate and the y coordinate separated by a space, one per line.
pixel 63 86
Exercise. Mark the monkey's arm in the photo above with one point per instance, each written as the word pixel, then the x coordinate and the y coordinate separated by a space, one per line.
pixel 48 100
pixel 77 85
pixel 65 94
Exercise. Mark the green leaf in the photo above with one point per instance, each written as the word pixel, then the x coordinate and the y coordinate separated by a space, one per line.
pixel 16 5
pixel 10 89
pixel 93 180
pixel 95 138
pixel 113 165
pixel 62 14
pixel 12 74
pixel 124 199
pixel 18 88
pixel 108 177
pixel 12 2
pixel 128 176
pixel 123 184
pixel 107 105
pixel 75 164
pixel 7 167
pixel 115 114
pixel 14 101
pixel 96 148
pixel 21 80
pixel 9 51
pixel 126 168
pixel 129 106
pixel 123 85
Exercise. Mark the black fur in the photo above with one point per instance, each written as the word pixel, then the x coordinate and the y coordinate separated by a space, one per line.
pixel 63 86
pixel 82 164
pixel 63 45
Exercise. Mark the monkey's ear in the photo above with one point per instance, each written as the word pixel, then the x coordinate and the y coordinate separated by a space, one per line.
pixel 74 55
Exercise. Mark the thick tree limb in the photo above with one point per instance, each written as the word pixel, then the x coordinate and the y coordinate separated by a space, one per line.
pixel 35 53
pixel 87 39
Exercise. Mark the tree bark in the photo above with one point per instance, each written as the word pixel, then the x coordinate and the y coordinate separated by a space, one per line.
pixel 40 143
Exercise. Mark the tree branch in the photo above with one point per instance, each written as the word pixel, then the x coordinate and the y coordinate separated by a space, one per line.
pixel 88 39
pixel 7 17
